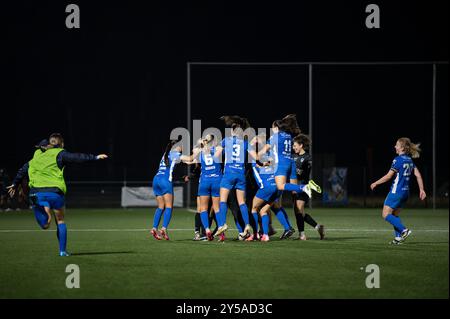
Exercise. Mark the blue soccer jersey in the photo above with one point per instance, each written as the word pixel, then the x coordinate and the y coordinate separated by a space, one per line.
pixel 403 166
pixel 211 166
pixel 167 170
pixel 264 175
pixel 235 149
pixel 281 145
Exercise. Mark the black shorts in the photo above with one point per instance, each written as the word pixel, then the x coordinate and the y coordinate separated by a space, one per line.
pixel 301 196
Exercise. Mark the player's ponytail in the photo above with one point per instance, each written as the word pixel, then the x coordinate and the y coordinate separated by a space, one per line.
pixel 288 124
pixel 167 151
pixel 235 122
pixel 409 147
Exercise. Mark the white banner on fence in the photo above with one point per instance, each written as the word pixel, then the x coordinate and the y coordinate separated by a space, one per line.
pixel 144 197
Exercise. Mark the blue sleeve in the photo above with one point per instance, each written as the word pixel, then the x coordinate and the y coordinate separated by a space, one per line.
pixel 23 171
pixel 396 165
pixel 175 157
pixel 64 157
pixel 222 143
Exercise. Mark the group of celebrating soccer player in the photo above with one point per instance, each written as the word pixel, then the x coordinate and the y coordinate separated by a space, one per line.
pixel 274 167
pixel 279 164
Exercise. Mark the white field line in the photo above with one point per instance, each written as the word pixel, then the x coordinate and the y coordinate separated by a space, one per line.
pixel 191 229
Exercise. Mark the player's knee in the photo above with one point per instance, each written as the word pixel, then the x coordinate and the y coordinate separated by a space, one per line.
pixel 45 226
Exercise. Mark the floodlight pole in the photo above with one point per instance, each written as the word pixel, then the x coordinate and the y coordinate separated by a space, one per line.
pixel 189 128
pixel 434 137
pixel 310 116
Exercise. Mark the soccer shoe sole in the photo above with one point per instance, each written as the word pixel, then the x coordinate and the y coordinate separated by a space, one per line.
pixel 406 235
pixel 314 186
pixel 221 229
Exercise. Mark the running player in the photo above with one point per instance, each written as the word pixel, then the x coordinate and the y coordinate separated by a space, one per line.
pixel 303 163
pixel 47 184
pixel 402 167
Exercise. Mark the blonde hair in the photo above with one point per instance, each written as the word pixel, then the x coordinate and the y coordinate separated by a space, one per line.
pixel 409 147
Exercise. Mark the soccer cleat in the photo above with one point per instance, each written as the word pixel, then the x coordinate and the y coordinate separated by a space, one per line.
pixel 307 190
pixel 321 231
pixel 221 229
pixel 396 241
pixel 163 233
pixel 302 237
pixel 155 234
pixel 247 230
pixel 221 238
pixel 405 233
pixel 265 237
pixel 209 235
pixel 250 238
pixel 197 236
pixel 64 254
pixel 243 236
pixel 314 186
pixel 287 233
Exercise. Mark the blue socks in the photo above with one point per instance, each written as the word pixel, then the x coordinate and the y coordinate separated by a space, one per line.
pixel 282 219
pixel 167 217
pixel 41 216
pixel 157 217
pixel 61 233
pixel 205 219
pixel 286 216
pixel 255 217
pixel 244 213
pixel 265 224
pixel 238 226
pixel 222 213
pixel 396 222
pixel 293 188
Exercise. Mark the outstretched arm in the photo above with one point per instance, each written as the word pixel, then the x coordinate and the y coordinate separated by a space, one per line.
pixel 66 157
pixel 382 180
pixel 422 193
pixel 23 171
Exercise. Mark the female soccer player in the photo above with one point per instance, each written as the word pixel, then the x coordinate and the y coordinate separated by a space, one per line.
pixel 402 167
pixel 267 194
pixel 209 184
pixel 303 163
pixel 47 184
pixel 280 145
pixel 235 148
pixel 163 189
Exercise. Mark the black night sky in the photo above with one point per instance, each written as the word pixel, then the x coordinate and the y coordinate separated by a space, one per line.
pixel 118 84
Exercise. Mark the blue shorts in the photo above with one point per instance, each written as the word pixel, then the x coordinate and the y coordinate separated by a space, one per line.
pixel 231 181
pixel 293 170
pixel 269 193
pixel 209 187
pixel 47 199
pixel 162 186
pixel 285 169
pixel 395 201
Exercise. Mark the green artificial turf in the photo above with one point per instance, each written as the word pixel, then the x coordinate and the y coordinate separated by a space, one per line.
pixel 118 259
